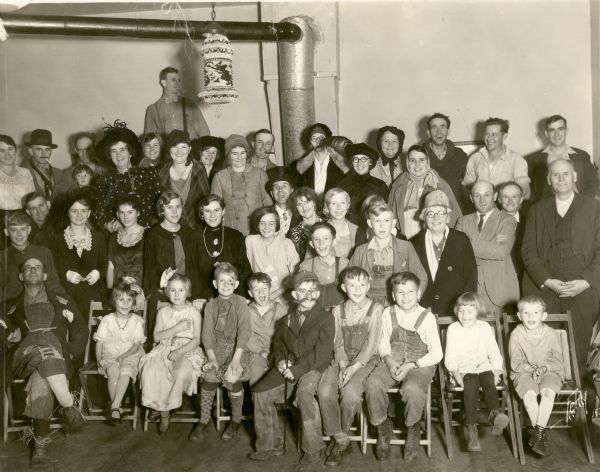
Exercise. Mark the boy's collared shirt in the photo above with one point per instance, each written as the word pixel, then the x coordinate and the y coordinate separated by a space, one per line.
pixel 381 256
pixel 237 325
pixel 263 326
pixel 324 272
pixel 428 332
pixel 355 315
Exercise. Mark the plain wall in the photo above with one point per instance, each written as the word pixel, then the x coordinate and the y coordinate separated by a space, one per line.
pixel 72 84
pixel 519 60
pixel 398 62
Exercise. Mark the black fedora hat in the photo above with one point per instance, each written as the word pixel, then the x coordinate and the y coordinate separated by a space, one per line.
pixel 281 174
pixel 41 137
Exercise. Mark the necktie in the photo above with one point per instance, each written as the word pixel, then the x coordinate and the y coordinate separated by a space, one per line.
pixel 481 220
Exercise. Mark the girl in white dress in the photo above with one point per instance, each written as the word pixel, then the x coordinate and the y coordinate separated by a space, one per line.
pixel 119 341
pixel 173 367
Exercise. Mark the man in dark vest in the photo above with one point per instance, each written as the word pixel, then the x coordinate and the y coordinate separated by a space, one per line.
pixel 38 324
pixel 561 254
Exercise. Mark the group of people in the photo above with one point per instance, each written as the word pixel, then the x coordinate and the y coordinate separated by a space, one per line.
pixel 320 280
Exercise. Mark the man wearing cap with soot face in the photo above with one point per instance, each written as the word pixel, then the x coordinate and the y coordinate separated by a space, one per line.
pixel 302 350
pixel 48 180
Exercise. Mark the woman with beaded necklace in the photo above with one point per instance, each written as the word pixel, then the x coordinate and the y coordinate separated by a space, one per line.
pixel 210 244
pixel 79 250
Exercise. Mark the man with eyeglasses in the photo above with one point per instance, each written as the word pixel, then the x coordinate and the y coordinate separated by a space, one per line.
pixel 492 235
pixel 47 179
pixel 18 229
pixel 446 254
pixel 302 350
pixel 46 339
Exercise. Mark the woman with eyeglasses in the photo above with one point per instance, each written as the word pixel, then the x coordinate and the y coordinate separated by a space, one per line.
pixel 270 252
pixel 184 176
pixel 446 254
pixel 359 183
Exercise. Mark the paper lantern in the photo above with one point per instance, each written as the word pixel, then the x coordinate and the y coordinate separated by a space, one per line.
pixel 217 54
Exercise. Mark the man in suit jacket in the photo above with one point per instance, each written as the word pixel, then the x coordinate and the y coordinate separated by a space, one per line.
pixel 538 162
pixel 302 350
pixel 510 198
pixel 561 253
pixel 446 255
pixel 492 235
pixel 48 180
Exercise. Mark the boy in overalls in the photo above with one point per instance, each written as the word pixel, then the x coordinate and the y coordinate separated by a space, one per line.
pixel 385 255
pixel 410 348
pixel 226 330
pixel 357 334
pixel 325 265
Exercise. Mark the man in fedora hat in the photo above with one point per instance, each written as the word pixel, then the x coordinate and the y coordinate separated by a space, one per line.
pixel 48 180
pixel 281 184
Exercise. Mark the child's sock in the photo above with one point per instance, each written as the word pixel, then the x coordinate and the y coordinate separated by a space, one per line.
pixel 207 396
pixel 237 402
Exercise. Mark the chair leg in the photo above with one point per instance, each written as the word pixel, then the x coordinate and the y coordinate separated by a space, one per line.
pixel 428 421
pixel 445 416
pixel 586 434
pixel 518 427
pixel 5 400
pixel 145 421
pixel 511 423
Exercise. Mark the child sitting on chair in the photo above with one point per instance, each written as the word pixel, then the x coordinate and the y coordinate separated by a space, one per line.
pixel 172 368
pixel 385 255
pixel 410 348
pixel 264 313
pixel 325 265
pixel 119 341
pixel 473 359
pixel 536 364
pixel 357 333
pixel 225 334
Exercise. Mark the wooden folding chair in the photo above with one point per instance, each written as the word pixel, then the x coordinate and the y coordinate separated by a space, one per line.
pixel 398 437
pixel 14 400
pixel 453 393
pixel 89 373
pixel 570 402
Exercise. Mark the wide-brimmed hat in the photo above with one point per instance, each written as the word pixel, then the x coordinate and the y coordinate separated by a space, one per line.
pixel 280 174
pixel 118 132
pixel 361 149
pixel 41 137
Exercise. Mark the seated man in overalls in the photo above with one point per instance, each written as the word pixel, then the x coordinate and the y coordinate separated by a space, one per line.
pixel 39 322
pixel 410 348
pixel 357 334
pixel 385 255
pixel 325 265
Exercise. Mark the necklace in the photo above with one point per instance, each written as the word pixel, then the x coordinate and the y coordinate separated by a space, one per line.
pixel 215 242
pixel 126 241
pixel 122 328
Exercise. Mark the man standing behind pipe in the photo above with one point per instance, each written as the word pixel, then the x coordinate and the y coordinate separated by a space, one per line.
pixel 174 111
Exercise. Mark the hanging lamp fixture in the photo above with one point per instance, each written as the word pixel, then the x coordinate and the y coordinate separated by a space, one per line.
pixel 217 55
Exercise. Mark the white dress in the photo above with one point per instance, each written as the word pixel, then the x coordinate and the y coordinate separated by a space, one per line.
pixel 162 385
pixel 117 337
